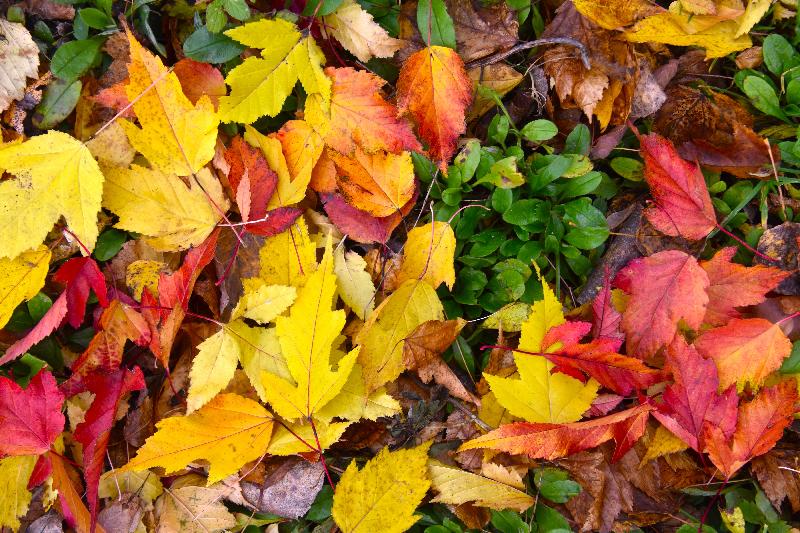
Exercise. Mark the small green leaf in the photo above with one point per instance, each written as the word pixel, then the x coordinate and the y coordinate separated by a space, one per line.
pixel 94 18
pixel 501 199
pixel 59 100
pixel 468 159
pixel 504 174
pixel 578 141
pixel 74 58
pixel 763 97
pixel 509 522
pixel 587 227
pixel 215 17
pixel 582 185
pixel 525 212
pixel 313 8
pixel 208 47
pixel 321 508
pixel 38 306
pixel 555 485
pixel 777 53
pixel 550 521
pixel 434 23
pixel 237 9
pixel 539 130
pixel 109 243
pixel 791 365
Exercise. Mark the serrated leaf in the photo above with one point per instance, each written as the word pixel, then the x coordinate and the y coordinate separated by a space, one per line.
pixel 428 255
pixel 354 282
pixel 358 33
pixel 455 487
pixel 22 278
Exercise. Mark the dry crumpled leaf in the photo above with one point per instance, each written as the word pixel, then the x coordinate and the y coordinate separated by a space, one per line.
pixel 289 490
pixel 606 89
pixel 190 507
pixel 777 473
pixel 20 61
pixel 358 33
pixel 499 77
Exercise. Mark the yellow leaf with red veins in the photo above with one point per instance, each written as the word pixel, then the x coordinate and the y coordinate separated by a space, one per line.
pixel 434 89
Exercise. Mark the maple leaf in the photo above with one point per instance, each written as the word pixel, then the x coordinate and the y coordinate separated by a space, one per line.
pixel 606 319
pixel 434 89
pixel 359 115
pixel 665 288
pixel 171 215
pixel 175 136
pixel 746 350
pixel 733 285
pixel 56 175
pixel 383 495
pixel 360 225
pixel 80 275
pixel 598 359
pixel 190 508
pixel 21 61
pixel 682 203
pixel 287 258
pixel 286 439
pixel 379 184
pixel 23 276
pixel 353 282
pixel 95 430
pixel 382 338
pixel 15 496
pixel 307 337
pixel 260 85
pixel 540 395
pixel 551 441
pixel 69 503
pixel 761 423
pixel 693 398
pixel 30 419
pixel 358 33
pixel 47 324
pixel 428 255
pixel 228 432
pixel 456 487
pixel 615 14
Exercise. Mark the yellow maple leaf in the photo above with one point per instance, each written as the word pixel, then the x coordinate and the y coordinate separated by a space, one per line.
pixel 145 484
pixel 354 403
pixel 22 278
pixel 382 336
pixel 428 255
pixel 358 33
pixel 260 85
pixel 663 442
pixel 55 175
pixel 144 273
pixel 259 351
pixel 176 137
pixel 14 494
pixel 287 258
pixel 455 487
pixel 307 338
pixel 354 282
pixel 228 432
pixel 161 207
pixel 384 494
pixel 264 303
pixel 540 395
pixel 189 507
pixel 299 437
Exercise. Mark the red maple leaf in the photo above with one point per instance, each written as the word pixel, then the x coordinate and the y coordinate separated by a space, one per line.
pixel 30 419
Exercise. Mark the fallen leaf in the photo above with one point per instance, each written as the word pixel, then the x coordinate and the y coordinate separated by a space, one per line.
pixel 776 472
pixel 289 490
pixel 15 496
pixel 498 77
pixel 191 508
pixel 353 282
pixel 434 89
pixel 80 275
pixel 455 487
pixel 616 14
pixel 22 279
pixel 200 79
pixel 20 61
pixel 666 288
pixel 358 33
pixel 30 418
pixel 383 495
pixel 360 225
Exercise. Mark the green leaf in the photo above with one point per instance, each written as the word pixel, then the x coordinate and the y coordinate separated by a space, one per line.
pixel 549 520
pixel 59 100
pixel 468 158
pixel 509 522
pixel 525 212
pixel 791 365
pixel 74 58
pixel 38 306
pixel 629 168
pixel 502 199
pixel 539 130
pixel 237 9
pixel 588 228
pixel 321 508
pixel 578 141
pixel 327 7
pixel 94 18
pixel 581 185
pixel 434 23
pixel 763 97
pixel 215 17
pixel 555 485
pixel 109 243
pixel 504 174
pixel 498 127
pixel 777 53
pixel 208 47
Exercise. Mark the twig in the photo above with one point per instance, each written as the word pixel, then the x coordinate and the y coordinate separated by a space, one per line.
pixel 499 56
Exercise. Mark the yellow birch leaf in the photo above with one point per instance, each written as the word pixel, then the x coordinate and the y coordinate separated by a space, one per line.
pixel 14 495
pixel 307 339
pixel 291 187
pixel 755 11
pixel 358 33
pixel 144 273
pixel 260 85
pixel 615 14
pixel 21 280
pixel 509 317
pixel 428 255
pixel 144 483
pixel 212 368
pixel 264 303
pixel 353 403
pixel 384 494
pixel 228 432
pixel 287 258
pixel 285 441
pixel 354 282
pixel 194 509
pixel 176 137
pixel 382 336
pixel 55 175
pixel 455 487
pixel 719 40
pixel 160 206
pixel 540 395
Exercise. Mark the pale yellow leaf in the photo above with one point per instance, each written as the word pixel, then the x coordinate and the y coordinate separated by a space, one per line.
pixel 194 509
pixel 14 495
pixel 259 351
pixel 455 487
pixel 145 484
pixel 718 40
pixel 755 11
pixel 353 403
pixel 509 318
pixel 358 33
pixel 20 61
pixel 212 369
pixel 428 255
pixel 21 280
pixel 111 146
pixel 264 303
pixel 354 282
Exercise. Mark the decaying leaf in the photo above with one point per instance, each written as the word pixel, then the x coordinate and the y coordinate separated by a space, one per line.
pixel 20 61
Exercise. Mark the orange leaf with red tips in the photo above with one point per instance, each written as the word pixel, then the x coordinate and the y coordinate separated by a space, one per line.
pixel 198 79
pixel 682 206
pixel 435 90
pixel 746 350
pixel 734 285
pixel 552 441
pixel 359 115
pixel 30 419
pixel 760 425
pixel 694 399
pixel 598 359
pixel 665 288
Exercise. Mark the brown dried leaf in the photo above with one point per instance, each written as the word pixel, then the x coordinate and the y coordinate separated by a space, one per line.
pixel 289 490
pixel 778 473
